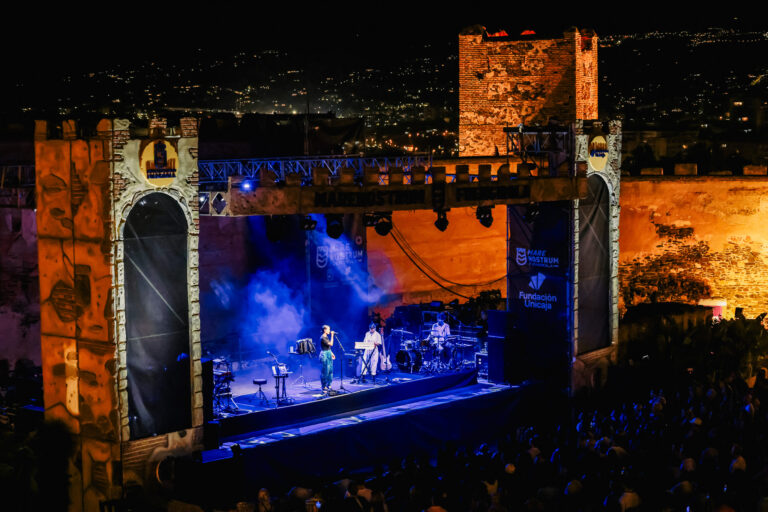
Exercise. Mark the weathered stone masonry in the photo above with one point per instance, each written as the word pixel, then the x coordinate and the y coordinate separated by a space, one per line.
pixel 687 238
pixel 510 81
pixel 507 81
pixel 85 191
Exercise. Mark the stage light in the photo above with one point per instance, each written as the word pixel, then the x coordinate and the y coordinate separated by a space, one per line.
pixel 309 223
pixel 246 185
pixel 383 225
pixel 369 220
pixel 531 213
pixel 334 225
pixel 442 220
pixel 485 215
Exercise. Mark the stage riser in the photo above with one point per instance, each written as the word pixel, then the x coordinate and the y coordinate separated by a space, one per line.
pixel 292 415
pixel 302 460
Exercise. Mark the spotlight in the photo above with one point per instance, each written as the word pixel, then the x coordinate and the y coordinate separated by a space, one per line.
pixel 334 225
pixel 383 225
pixel 369 220
pixel 246 185
pixel 309 223
pixel 531 213
pixel 442 220
pixel 485 215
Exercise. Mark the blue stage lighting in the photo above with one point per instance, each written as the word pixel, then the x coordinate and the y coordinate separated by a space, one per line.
pixel 246 185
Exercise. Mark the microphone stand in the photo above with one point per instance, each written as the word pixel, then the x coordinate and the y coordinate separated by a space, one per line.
pixel 341 372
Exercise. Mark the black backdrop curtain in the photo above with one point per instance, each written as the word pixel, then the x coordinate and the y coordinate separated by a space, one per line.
pixel 157 322
pixel 594 268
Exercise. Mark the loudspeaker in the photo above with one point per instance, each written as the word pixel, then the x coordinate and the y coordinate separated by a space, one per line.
pixel 211 435
pixel 207 365
pixel 500 323
pixel 507 354
pixel 508 360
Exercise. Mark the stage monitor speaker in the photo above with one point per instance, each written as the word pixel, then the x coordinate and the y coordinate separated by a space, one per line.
pixel 207 365
pixel 506 361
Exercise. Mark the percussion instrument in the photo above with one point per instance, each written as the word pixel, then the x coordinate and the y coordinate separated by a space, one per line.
pixel 408 361
pixel 446 355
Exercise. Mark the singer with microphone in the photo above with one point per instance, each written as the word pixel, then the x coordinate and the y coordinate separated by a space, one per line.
pixel 326 358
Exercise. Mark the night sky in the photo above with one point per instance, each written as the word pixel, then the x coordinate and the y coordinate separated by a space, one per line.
pixel 69 37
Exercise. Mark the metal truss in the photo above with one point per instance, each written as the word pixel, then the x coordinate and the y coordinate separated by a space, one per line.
pixel 17 176
pixel 17 186
pixel 217 172
pixel 546 147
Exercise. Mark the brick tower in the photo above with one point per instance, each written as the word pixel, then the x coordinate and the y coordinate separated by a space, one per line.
pixel 506 81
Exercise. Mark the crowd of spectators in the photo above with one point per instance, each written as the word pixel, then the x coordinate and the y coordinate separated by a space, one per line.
pixel 699 445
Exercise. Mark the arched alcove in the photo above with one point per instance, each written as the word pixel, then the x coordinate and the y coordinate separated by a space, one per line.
pixel 594 267
pixel 157 320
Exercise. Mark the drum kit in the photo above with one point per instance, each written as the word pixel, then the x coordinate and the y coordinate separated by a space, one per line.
pixel 431 354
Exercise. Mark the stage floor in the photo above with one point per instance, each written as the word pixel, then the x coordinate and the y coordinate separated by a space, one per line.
pixel 315 437
pixel 246 397
pixel 357 417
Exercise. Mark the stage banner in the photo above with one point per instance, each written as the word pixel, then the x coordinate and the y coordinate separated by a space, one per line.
pixel 538 285
pixel 339 280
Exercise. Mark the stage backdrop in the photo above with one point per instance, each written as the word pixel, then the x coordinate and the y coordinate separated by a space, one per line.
pixel 340 285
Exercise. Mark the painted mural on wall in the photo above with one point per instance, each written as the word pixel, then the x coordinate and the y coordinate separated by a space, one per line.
pixel 84 188
pixel 688 239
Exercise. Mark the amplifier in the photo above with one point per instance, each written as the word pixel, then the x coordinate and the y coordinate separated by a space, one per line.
pixel 481 363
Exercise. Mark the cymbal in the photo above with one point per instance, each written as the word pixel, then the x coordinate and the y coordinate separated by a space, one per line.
pixel 401 331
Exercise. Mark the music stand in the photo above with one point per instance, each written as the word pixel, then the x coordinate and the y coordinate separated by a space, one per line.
pixel 302 348
pixel 280 373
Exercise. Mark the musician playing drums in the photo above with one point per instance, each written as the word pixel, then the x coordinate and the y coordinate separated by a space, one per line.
pixel 371 355
pixel 440 331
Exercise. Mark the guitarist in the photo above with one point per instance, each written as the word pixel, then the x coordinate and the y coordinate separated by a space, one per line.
pixel 371 355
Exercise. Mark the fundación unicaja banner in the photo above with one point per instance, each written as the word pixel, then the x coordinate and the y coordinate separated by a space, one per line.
pixel 539 276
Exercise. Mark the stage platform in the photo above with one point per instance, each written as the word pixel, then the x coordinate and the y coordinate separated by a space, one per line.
pixel 308 403
pixel 317 439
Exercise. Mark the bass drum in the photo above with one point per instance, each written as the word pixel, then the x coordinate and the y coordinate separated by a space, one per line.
pixel 408 361
pixel 446 356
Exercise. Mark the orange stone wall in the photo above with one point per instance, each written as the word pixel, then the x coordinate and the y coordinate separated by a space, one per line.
pixel 505 82
pixel 466 253
pixel 688 238
pixel 85 191
pixel 77 339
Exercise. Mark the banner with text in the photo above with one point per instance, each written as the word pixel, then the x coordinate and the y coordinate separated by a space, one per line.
pixel 538 283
